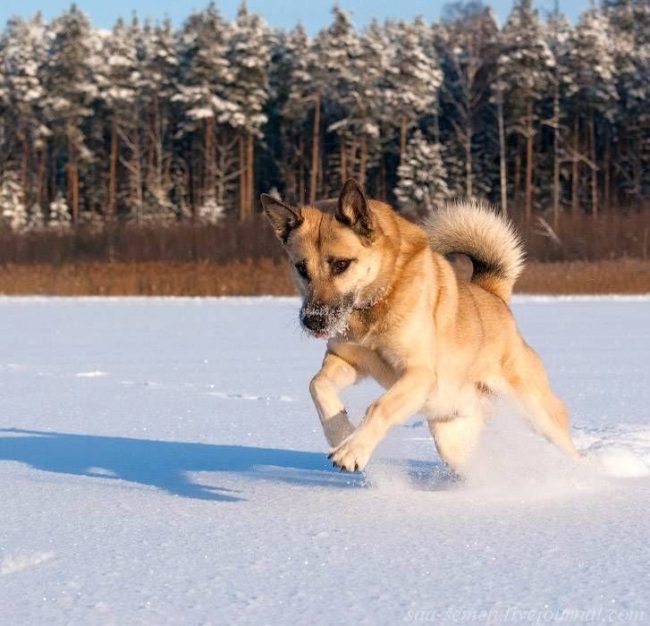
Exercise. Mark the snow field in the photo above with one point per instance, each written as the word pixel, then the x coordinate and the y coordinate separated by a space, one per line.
pixel 161 463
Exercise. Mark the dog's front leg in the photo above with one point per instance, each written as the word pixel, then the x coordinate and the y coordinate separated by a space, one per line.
pixel 405 398
pixel 334 375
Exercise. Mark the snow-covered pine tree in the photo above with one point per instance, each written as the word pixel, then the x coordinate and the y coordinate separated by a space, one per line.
pixel 36 218
pixel 341 51
pixel 367 104
pixel 422 183
pixel 620 14
pixel 209 111
pixel 383 143
pixel 498 97
pixel 639 91
pixel 559 34
pixel 118 80
pixel 593 88
pixel 178 140
pixel 25 49
pixel 291 91
pixel 158 83
pixel 524 70
pixel 361 98
pixel 249 50
pixel 4 87
pixel 59 215
pixel 328 59
pixel 466 46
pixel 416 78
pixel 13 211
pixel 630 31
pixel 205 69
pixel 70 90
pixel 293 65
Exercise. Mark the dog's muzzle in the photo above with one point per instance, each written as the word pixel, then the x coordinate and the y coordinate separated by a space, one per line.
pixel 321 320
pixel 315 318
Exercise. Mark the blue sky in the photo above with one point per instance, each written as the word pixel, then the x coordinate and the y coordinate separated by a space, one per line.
pixel 283 13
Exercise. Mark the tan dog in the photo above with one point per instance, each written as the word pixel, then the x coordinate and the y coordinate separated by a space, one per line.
pixel 381 290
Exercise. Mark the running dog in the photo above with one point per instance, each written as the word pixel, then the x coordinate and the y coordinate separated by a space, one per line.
pixel 380 289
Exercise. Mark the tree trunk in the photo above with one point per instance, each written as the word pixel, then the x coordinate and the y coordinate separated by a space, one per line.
pixel 24 174
pixel 242 178
pixel 136 176
pixel 250 169
pixel 208 148
pixel 158 147
pixel 383 192
pixel 503 165
pixel 637 167
pixel 469 182
pixel 301 173
pixel 575 168
pixel 402 138
pixel 517 190
pixel 191 187
pixel 343 169
pixel 40 184
pixel 220 183
pixel 112 178
pixel 315 152
pixel 363 162
pixel 52 177
pixel 73 180
pixel 352 161
pixel 321 173
pixel 291 186
pixel 607 169
pixel 556 157
pixel 594 167
pixel 529 161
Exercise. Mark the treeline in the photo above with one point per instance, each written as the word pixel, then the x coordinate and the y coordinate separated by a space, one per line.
pixel 150 124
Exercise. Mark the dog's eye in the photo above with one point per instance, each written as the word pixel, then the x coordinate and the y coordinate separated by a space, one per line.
pixel 301 268
pixel 338 267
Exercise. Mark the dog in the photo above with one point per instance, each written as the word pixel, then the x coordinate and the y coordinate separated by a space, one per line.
pixel 380 289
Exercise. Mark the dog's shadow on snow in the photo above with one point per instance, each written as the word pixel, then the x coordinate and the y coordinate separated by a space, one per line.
pixel 167 465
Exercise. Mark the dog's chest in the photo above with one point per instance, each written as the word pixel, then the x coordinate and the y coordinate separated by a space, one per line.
pixel 363 327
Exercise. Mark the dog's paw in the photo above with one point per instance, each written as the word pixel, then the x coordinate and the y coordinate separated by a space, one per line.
pixel 352 455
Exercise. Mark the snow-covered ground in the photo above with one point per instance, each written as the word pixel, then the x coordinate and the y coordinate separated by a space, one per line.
pixel 161 463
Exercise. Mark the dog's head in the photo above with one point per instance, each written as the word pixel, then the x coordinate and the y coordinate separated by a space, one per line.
pixel 335 257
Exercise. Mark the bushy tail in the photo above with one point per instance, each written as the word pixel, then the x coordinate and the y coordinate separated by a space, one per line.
pixel 475 229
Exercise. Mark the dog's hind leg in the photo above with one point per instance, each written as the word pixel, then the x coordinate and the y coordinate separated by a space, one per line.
pixel 334 375
pixel 457 437
pixel 529 384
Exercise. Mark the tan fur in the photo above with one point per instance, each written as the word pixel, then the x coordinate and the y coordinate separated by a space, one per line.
pixel 438 345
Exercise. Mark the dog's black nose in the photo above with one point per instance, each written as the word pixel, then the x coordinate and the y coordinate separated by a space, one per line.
pixel 314 321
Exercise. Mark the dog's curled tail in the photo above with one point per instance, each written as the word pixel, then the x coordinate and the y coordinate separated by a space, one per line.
pixel 475 229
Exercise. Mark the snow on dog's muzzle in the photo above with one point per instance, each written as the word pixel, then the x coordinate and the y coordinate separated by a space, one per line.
pixel 324 320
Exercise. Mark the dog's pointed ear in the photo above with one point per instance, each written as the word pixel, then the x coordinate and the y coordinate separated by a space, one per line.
pixel 353 210
pixel 283 217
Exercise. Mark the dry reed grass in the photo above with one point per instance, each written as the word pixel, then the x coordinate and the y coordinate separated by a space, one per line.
pixel 623 276
pixel 268 277
pixel 576 238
